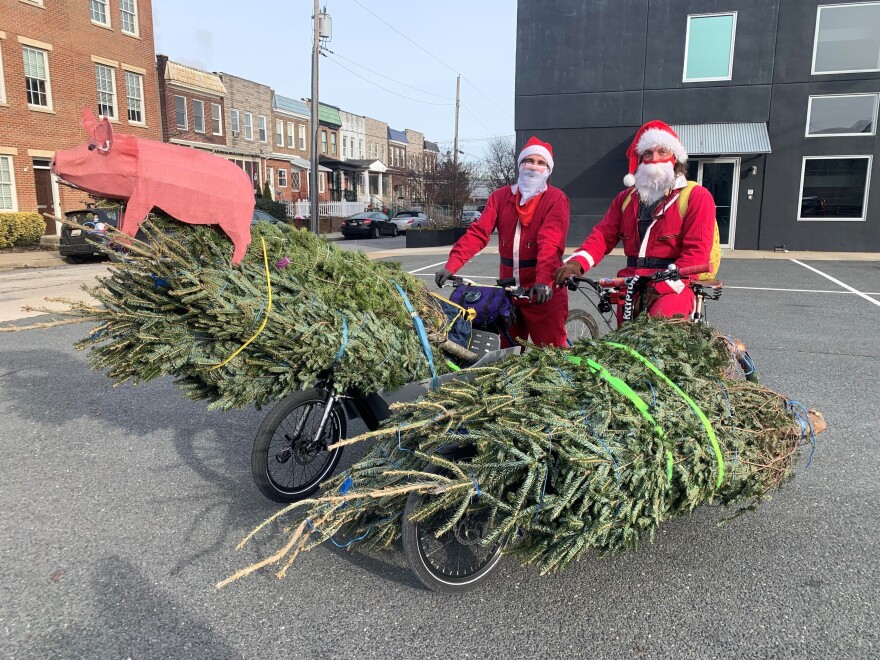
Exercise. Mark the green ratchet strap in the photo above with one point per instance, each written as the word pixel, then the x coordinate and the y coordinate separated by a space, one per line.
pixel 719 459
pixel 619 385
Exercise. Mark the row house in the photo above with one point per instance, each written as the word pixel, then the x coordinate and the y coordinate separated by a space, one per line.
pixel 55 59
pixel 192 103
pixel 247 125
pixel 289 164
pixel 355 145
pixel 341 182
pixel 378 180
pixel 397 165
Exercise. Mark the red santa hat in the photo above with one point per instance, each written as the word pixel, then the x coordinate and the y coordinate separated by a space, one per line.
pixel 653 134
pixel 534 147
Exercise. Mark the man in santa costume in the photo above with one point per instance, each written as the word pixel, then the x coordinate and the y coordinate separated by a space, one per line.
pixel 532 219
pixel 646 217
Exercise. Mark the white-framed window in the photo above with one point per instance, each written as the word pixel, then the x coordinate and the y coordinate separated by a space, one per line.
pixel 282 178
pixel 248 126
pixel 105 79
pixel 8 200
pixel 99 12
pixel 279 133
pixel 261 129
pixel 233 119
pixel 842 114
pixel 180 118
pixel 834 188
pixel 383 154
pixel 198 116
pixel 36 77
pixel 344 146
pixel 321 181
pixel 294 180
pixel 2 83
pixel 708 47
pixel 847 38
pixel 128 16
pixel 216 119
pixel 302 137
pixel 333 144
pixel 323 142
pixel 290 138
pixel 361 149
pixel 134 97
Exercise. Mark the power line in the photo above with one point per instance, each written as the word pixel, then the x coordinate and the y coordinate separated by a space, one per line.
pixel 423 91
pixel 418 45
pixel 390 91
pixel 479 121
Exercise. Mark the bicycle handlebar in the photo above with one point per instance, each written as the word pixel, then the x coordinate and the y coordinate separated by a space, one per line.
pixel 622 282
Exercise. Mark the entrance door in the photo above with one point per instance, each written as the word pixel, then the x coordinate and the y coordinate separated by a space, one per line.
pixel 720 176
pixel 45 198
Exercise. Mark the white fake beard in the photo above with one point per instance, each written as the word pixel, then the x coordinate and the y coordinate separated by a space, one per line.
pixel 654 179
pixel 531 182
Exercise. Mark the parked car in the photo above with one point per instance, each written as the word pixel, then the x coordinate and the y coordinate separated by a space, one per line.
pixel 410 219
pixel 262 216
pixel 77 245
pixel 467 217
pixel 370 224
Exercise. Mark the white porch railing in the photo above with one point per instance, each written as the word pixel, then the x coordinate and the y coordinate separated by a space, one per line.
pixel 335 209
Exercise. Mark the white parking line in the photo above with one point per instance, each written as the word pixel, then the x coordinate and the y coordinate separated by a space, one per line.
pixel 417 270
pixel 837 282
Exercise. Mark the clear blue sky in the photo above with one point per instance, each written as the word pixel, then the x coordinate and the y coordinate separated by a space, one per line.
pixel 269 41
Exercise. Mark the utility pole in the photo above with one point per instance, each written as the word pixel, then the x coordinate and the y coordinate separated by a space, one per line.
pixel 455 151
pixel 313 173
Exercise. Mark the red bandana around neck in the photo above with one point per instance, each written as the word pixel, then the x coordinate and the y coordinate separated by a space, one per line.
pixel 527 210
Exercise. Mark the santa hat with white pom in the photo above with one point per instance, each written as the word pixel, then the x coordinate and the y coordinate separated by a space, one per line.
pixel 653 134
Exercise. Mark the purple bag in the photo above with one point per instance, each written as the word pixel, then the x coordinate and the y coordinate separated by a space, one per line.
pixel 491 304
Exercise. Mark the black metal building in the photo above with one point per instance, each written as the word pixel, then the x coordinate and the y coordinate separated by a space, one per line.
pixel 776 102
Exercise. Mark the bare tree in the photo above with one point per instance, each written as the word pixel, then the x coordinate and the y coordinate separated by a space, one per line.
pixel 446 186
pixel 499 163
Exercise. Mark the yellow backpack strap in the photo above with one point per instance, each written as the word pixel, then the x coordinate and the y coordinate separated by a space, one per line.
pixel 463 312
pixel 627 199
pixel 683 198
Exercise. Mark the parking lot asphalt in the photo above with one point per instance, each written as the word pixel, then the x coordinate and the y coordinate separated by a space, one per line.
pixel 121 508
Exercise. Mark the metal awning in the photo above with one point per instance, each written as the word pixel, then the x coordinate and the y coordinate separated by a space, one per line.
pixel 724 139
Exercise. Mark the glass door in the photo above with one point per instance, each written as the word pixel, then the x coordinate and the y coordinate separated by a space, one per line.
pixel 720 176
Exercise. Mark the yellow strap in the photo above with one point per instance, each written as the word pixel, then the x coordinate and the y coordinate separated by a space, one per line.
pixel 467 313
pixel 626 200
pixel 683 198
pixel 265 318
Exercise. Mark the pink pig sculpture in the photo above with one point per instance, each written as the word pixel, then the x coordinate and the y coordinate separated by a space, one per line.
pixel 189 185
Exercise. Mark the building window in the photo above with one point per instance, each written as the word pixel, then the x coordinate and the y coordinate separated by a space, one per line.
pixel 233 119
pixel 134 97
pixel 708 47
pixel 835 187
pixel 282 178
pixel 344 146
pixel 323 142
pixel 850 114
pixel 847 38
pixel 100 15
pixel 198 116
pixel 290 138
pixel 216 123
pixel 8 201
pixel 321 182
pixel 294 180
pixel 361 149
pixel 128 16
pixel 106 82
pixel 180 118
pixel 383 154
pixel 2 84
pixel 279 133
pixel 248 126
pixel 261 127
pixel 333 144
pixel 36 77
pixel 302 137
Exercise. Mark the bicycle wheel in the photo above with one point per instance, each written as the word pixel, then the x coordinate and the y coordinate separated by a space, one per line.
pixel 580 324
pixel 456 561
pixel 288 460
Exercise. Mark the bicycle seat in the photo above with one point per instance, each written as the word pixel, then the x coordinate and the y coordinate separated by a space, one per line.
pixel 712 285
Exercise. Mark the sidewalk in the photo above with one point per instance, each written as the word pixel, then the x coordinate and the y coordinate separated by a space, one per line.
pixel 50 258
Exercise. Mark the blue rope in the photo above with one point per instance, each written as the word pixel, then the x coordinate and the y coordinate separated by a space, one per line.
pixel 726 398
pixel 802 417
pixel 159 281
pixel 344 341
pixel 476 485
pixel 333 541
pixel 259 313
pixel 567 379
pixel 653 393
pixel 220 292
pixel 420 328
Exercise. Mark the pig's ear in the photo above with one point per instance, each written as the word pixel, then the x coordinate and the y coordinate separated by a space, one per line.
pixel 104 135
pixel 89 121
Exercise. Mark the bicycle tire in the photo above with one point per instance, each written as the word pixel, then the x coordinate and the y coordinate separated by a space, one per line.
pixel 276 454
pixel 580 324
pixel 431 558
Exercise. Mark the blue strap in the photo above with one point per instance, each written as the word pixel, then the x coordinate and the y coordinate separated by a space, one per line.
pixel 344 341
pixel 420 328
pixel 802 417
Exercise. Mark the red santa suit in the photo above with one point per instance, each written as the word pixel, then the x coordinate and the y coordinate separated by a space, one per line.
pixel 529 253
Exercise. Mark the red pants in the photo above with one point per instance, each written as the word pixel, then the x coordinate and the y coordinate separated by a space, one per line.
pixel 544 324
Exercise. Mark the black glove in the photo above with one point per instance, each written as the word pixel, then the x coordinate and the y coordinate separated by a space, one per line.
pixel 540 293
pixel 441 276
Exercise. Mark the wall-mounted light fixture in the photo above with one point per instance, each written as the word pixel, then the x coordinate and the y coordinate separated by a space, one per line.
pixel 753 170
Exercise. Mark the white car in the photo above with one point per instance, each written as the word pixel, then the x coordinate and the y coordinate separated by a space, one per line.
pixel 408 219
pixel 467 217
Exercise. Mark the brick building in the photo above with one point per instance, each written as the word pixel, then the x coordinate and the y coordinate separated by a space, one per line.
pixel 192 104
pixel 56 58
pixel 291 148
pixel 249 110
pixel 379 184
